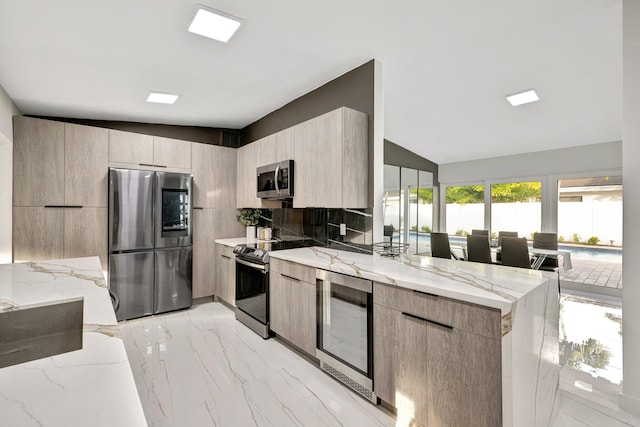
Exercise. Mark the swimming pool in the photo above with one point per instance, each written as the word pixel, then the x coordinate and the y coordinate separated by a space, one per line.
pixel 585 253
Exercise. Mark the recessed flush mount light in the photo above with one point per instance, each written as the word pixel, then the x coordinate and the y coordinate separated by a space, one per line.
pixel 214 25
pixel 523 97
pixel 162 98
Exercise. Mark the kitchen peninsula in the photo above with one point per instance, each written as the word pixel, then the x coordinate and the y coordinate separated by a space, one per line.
pixel 90 386
pixel 492 349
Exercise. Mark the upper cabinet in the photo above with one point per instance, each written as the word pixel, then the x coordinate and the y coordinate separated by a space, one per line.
pixel 128 149
pixel 214 176
pixel 171 153
pixel 59 164
pixel 85 165
pixel 331 161
pixel 38 157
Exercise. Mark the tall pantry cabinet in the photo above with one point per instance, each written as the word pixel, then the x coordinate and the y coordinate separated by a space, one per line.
pixel 59 190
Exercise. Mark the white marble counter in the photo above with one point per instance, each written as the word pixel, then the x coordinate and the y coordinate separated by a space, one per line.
pixel 232 243
pixel 484 284
pixel 527 299
pixel 91 386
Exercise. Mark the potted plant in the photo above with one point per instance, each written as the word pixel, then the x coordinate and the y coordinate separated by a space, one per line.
pixel 249 217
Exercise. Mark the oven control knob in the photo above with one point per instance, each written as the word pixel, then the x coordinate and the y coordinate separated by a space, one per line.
pixel 259 252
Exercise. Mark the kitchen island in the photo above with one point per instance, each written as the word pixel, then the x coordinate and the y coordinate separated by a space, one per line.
pixel 523 338
pixel 91 386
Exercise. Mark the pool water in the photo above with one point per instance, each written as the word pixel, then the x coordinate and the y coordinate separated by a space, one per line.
pixel 577 252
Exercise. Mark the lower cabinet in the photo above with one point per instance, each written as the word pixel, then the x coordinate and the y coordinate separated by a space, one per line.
pixel 435 374
pixel 41 233
pixel 225 284
pixel 292 303
pixel 204 258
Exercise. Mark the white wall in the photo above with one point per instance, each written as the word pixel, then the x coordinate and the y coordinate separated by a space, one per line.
pixel 631 177
pixel 586 158
pixel 7 110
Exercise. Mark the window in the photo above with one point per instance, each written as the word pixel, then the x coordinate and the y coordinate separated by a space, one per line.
pixel 464 209
pixel 516 206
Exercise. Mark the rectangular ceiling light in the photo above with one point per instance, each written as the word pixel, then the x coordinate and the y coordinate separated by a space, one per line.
pixel 214 25
pixel 523 97
pixel 162 98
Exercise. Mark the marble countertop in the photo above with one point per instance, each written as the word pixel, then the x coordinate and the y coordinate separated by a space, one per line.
pixel 485 284
pixel 91 386
pixel 240 241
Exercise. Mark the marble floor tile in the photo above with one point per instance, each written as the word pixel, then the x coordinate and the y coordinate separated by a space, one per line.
pixel 201 367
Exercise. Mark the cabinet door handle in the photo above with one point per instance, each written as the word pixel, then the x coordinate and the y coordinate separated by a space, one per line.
pixel 63 206
pixel 289 277
pixel 146 164
pixel 225 256
pixel 160 166
pixel 413 316
pixel 426 293
pixel 194 208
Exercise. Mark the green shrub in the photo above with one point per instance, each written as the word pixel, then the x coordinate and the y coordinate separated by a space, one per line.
pixel 576 238
pixel 425 229
pixel 593 240
pixel 413 228
pixel 560 239
pixel 462 232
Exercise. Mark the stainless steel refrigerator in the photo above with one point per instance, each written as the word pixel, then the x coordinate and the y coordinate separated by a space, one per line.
pixel 150 238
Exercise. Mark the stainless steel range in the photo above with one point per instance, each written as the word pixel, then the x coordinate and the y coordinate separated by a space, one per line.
pixel 252 282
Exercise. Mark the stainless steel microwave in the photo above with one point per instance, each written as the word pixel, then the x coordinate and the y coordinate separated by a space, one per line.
pixel 275 181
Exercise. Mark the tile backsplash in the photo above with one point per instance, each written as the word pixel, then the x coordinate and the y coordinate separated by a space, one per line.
pixel 323 226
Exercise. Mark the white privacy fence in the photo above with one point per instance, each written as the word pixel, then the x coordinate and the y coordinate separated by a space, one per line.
pixel 589 218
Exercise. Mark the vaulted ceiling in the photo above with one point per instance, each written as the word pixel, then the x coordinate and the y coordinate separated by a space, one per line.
pixel 447 65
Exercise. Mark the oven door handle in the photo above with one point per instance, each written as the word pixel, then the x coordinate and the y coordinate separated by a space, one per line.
pixel 251 264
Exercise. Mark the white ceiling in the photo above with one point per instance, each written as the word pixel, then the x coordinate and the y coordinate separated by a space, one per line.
pixel 447 65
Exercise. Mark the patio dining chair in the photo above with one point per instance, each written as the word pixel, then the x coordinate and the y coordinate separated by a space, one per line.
pixel 480 232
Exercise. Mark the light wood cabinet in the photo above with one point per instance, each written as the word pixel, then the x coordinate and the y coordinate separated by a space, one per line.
pixel 85 233
pixel 204 257
pixel 285 141
pixel 38 162
pixel 38 233
pixel 332 149
pixel 134 150
pixel 214 176
pixel 86 161
pixel 129 147
pixel 432 372
pixel 57 165
pixel 171 153
pixel 248 162
pixel 292 303
pixel 225 287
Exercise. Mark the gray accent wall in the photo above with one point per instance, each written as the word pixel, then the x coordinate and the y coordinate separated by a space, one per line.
pixel 396 155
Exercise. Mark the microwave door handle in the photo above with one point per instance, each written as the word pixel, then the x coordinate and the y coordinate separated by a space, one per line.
pixel 277 175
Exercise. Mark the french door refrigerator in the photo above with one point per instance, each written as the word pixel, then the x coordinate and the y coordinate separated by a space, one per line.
pixel 150 238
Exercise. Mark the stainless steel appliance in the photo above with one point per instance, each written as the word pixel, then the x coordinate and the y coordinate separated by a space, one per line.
pixel 275 181
pixel 150 252
pixel 252 288
pixel 252 281
pixel 345 330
